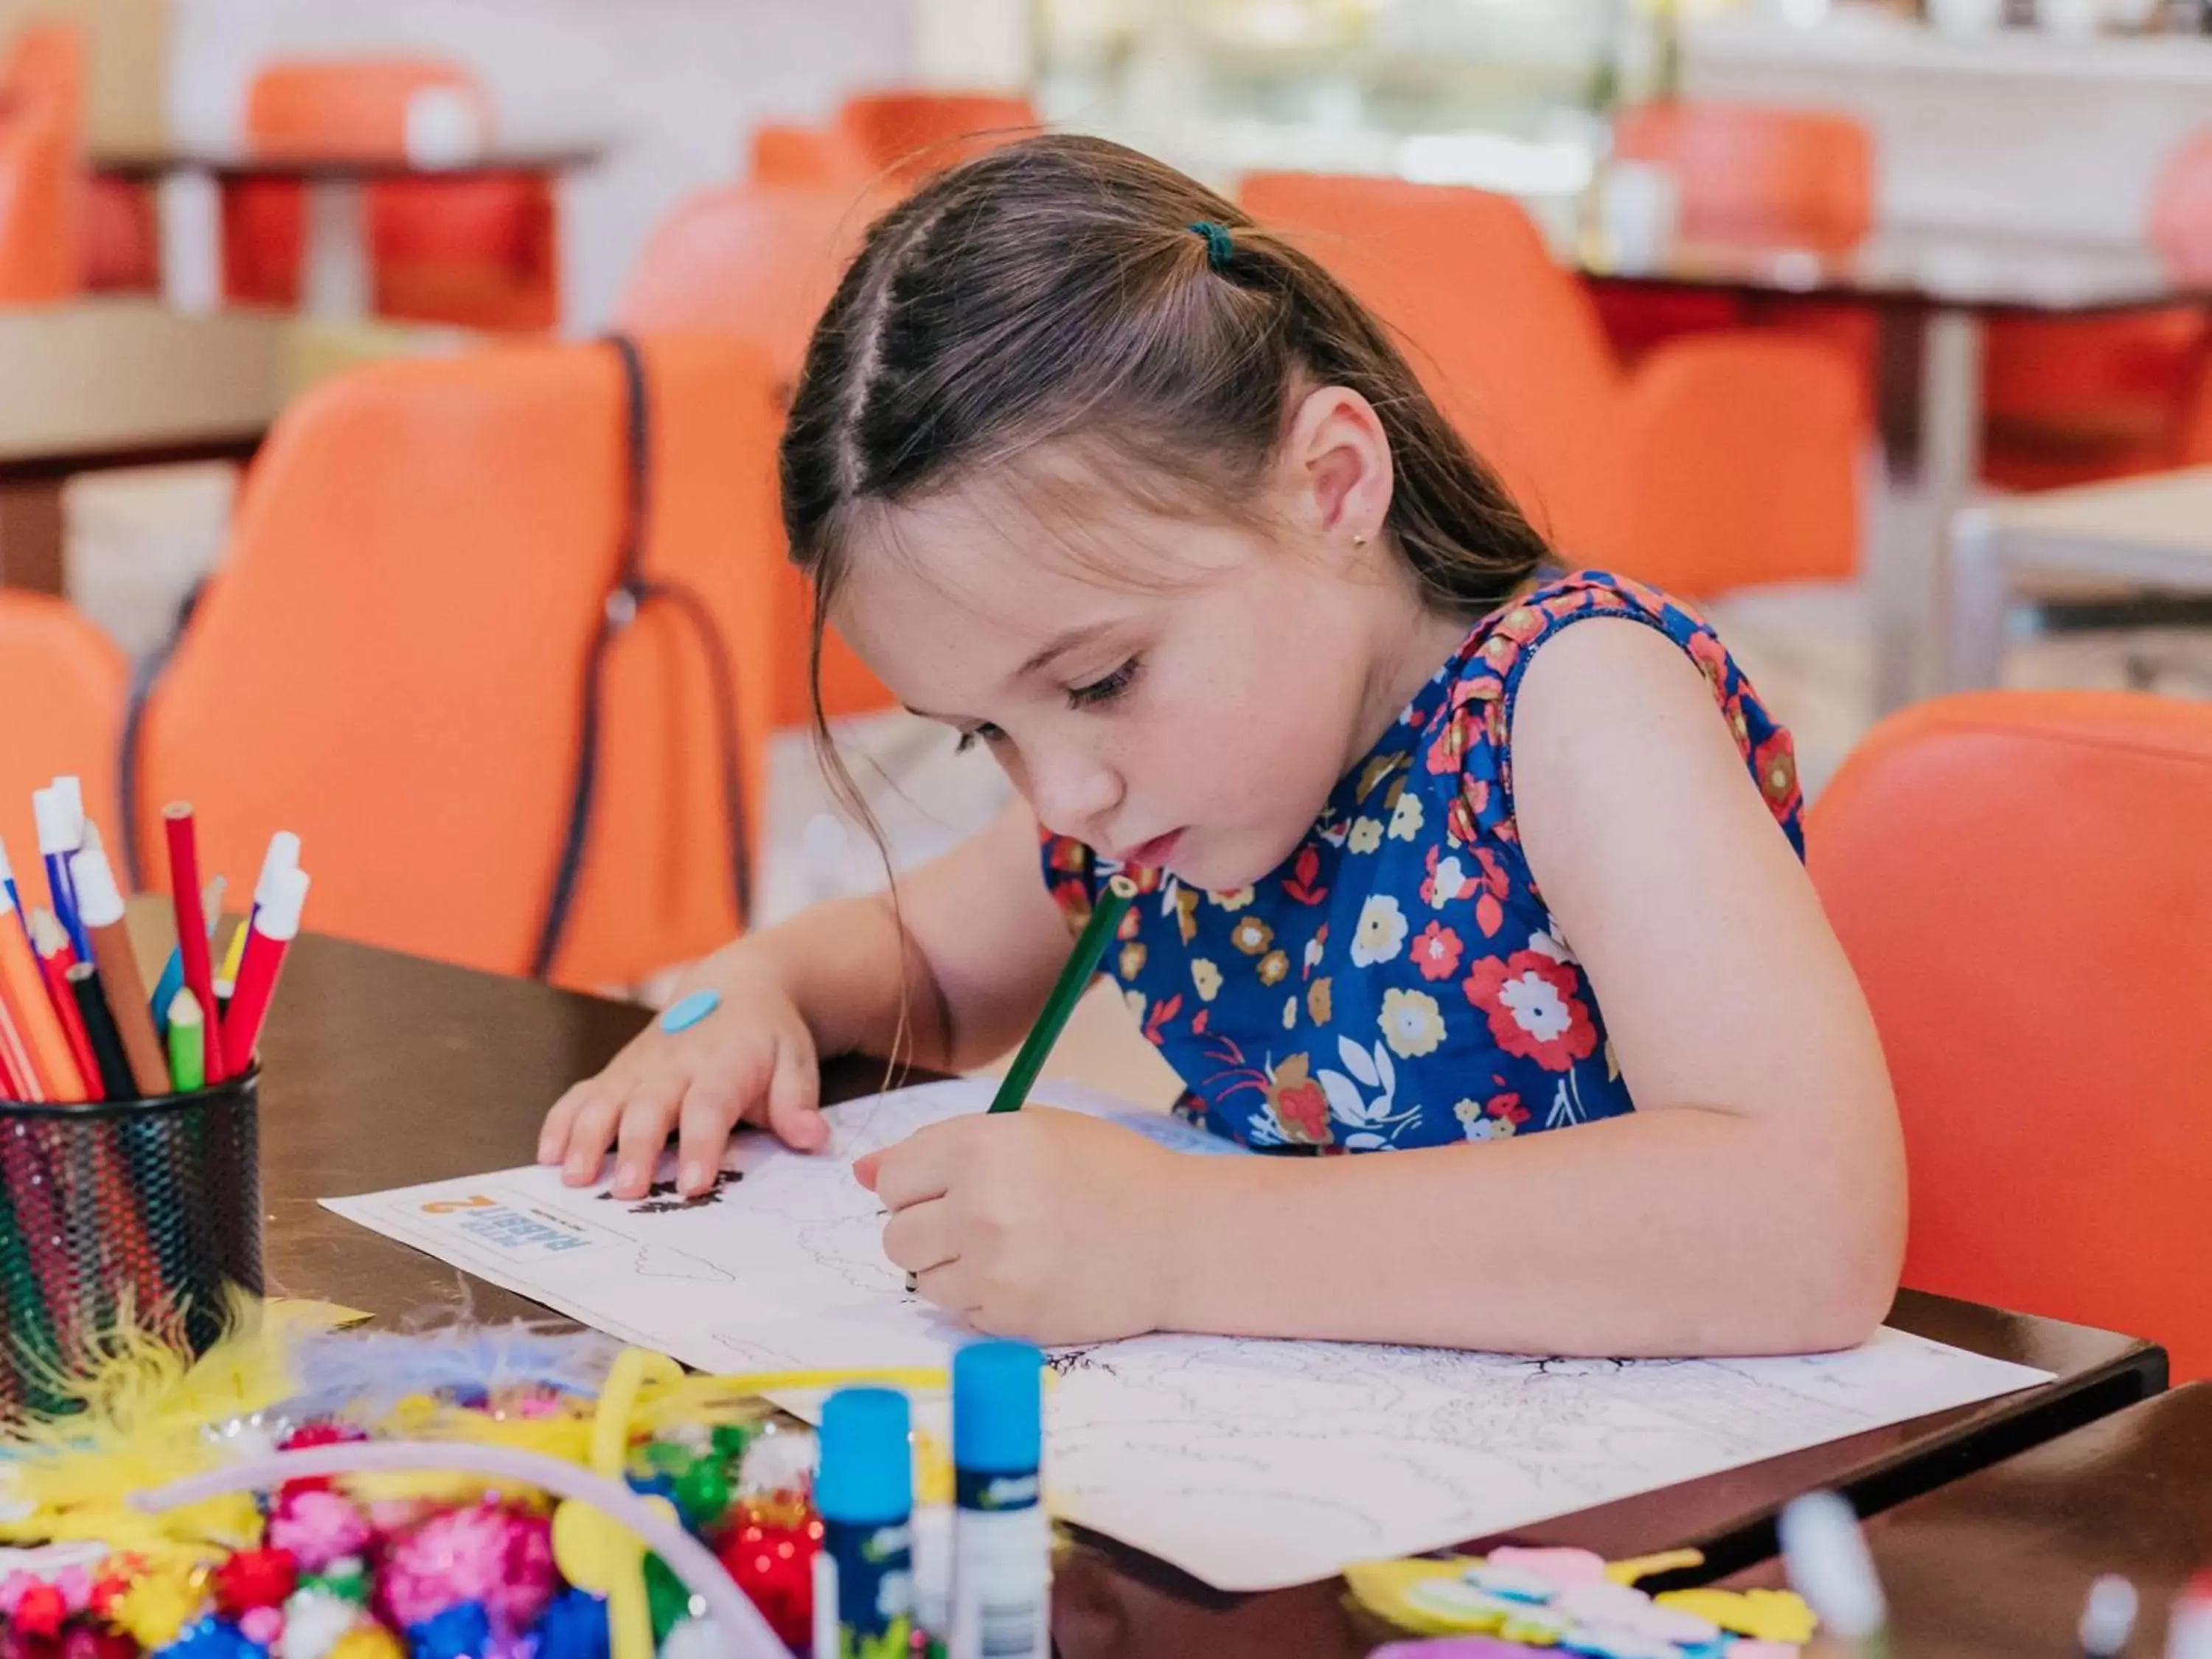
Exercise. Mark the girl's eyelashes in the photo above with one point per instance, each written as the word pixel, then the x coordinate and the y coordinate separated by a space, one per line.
pixel 984 733
pixel 1108 689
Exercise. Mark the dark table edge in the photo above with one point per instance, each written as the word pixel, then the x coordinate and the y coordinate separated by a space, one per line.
pixel 53 466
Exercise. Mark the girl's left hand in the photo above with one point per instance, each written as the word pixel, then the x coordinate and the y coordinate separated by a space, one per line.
pixel 1044 1224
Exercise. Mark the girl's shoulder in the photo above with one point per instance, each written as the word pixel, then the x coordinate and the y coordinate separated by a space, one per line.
pixel 1461 723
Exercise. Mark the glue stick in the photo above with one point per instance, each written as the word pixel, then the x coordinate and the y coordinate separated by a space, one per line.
pixel 1001 1541
pixel 863 1492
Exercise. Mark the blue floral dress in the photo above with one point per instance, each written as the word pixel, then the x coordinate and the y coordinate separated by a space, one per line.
pixel 1398 980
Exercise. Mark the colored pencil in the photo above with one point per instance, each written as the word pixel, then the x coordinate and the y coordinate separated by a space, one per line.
pixel 187 1043
pixel 115 1079
pixel 227 974
pixel 55 958
pixel 15 1065
pixel 191 928
pixel 1074 980
pixel 39 1026
pixel 276 925
pixel 172 967
pixel 99 904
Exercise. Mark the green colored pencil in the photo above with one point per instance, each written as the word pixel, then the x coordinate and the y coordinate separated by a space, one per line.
pixel 1074 980
pixel 187 1043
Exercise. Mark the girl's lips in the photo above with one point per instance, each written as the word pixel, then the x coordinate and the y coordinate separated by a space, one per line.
pixel 1153 853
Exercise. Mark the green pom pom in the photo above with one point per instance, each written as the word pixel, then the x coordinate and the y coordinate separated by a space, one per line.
pixel 667 1596
pixel 702 1493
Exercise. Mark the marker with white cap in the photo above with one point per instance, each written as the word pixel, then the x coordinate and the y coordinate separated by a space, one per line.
pixel 61 832
pixel 1829 1565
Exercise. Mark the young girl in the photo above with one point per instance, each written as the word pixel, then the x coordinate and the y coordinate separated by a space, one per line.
pixel 1439 851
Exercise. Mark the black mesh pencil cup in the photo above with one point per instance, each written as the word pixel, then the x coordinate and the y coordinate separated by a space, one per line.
pixel 150 1208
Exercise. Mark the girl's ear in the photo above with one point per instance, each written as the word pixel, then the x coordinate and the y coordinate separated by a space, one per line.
pixel 1336 466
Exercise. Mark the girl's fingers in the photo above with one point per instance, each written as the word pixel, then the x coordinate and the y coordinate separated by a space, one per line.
pixel 553 1138
pixel 920 1237
pixel 793 1096
pixel 711 1109
pixel 949 1287
pixel 914 1170
pixel 591 1132
pixel 645 1122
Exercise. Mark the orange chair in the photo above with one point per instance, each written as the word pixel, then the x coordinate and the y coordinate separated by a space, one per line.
pixel 41 166
pixel 760 262
pixel 812 158
pixel 2071 401
pixel 1759 174
pixel 1718 462
pixel 908 134
pixel 481 251
pixel 62 688
pixel 391 660
pixel 2020 880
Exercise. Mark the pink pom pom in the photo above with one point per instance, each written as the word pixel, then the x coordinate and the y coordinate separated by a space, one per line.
pixel 12 1587
pixel 461 1555
pixel 262 1625
pixel 318 1526
pixel 527 1578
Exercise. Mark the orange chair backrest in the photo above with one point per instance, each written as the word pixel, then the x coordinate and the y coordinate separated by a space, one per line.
pixel 1505 341
pixel 812 158
pixel 1759 172
pixel 2181 208
pixel 62 684
pixel 910 133
pixel 389 659
pixel 2020 880
pixel 42 178
pixel 346 106
pixel 760 262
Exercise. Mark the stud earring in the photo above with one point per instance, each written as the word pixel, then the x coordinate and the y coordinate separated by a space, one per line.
pixel 1359 541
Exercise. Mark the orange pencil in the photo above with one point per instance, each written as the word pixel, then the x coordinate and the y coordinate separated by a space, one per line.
pixel 24 992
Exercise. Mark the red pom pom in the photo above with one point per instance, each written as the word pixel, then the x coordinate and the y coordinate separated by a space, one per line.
pixel 85 1642
pixel 306 1438
pixel 116 1574
pixel 772 1562
pixel 40 1610
pixel 255 1579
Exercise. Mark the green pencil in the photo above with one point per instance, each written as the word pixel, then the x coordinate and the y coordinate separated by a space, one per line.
pixel 1074 980
pixel 187 1043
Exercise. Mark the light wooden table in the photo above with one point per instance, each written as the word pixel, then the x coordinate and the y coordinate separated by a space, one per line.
pixel 2097 543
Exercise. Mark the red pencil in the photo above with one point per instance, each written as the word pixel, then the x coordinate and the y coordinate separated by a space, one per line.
pixel 12 1085
pixel 56 958
pixel 191 923
pixel 276 925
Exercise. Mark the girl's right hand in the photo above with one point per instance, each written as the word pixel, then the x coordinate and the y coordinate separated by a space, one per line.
pixel 752 1059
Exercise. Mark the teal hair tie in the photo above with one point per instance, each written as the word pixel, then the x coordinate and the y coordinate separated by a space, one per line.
pixel 1220 249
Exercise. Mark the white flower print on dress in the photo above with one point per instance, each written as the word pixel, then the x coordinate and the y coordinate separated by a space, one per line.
pixel 1381 931
pixel 1366 834
pixel 1450 881
pixel 1372 1116
pixel 1407 818
pixel 1411 1023
pixel 1552 944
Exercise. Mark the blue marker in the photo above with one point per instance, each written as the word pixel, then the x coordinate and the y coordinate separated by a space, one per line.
pixel 1001 1540
pixel 15 895
pixel 863 1492
pixel 60 833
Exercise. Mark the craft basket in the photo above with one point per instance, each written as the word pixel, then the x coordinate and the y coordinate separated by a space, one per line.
pixel 150 1208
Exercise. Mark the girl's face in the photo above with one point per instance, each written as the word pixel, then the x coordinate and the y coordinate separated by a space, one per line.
pixel 1171 693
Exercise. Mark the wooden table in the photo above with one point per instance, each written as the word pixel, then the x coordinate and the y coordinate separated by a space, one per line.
pixel 1997 1566
pixel 384 1071
pixel 116 383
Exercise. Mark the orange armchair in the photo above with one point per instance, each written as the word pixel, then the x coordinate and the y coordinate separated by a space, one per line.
pixel 2020 880
pixel 61 690
pixel 481 251
pixel 1716 463
pixel 42 166
pixel 391 659
pixel 908 134
pixel 760 262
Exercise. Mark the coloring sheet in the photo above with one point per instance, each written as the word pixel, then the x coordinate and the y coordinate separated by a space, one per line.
pixel 1250 1464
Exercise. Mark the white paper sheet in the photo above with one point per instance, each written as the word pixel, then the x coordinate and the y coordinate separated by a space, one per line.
pixel 1250 1464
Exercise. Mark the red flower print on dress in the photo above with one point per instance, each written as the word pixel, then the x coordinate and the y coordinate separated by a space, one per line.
pixel 1305 872
pixel 1775 764
pixel 1535 1008
pixel 1298 1104
pixel 1447 753
pixel 1436 951
pixel 1162 1015
pixel 1707 652
pixel 1506 1108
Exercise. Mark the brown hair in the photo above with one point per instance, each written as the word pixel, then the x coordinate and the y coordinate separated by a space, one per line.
pixel 1055 288
pixel 1061 288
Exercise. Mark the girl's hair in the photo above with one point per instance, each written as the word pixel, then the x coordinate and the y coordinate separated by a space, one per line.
pixel 1059 289
pixel 1068 291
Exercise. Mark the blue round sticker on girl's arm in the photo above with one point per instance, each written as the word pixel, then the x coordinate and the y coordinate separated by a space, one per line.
pixel 684 1015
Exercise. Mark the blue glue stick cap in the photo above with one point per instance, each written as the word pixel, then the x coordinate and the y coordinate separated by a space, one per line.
pixel 866 1477
pixel 998 1408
